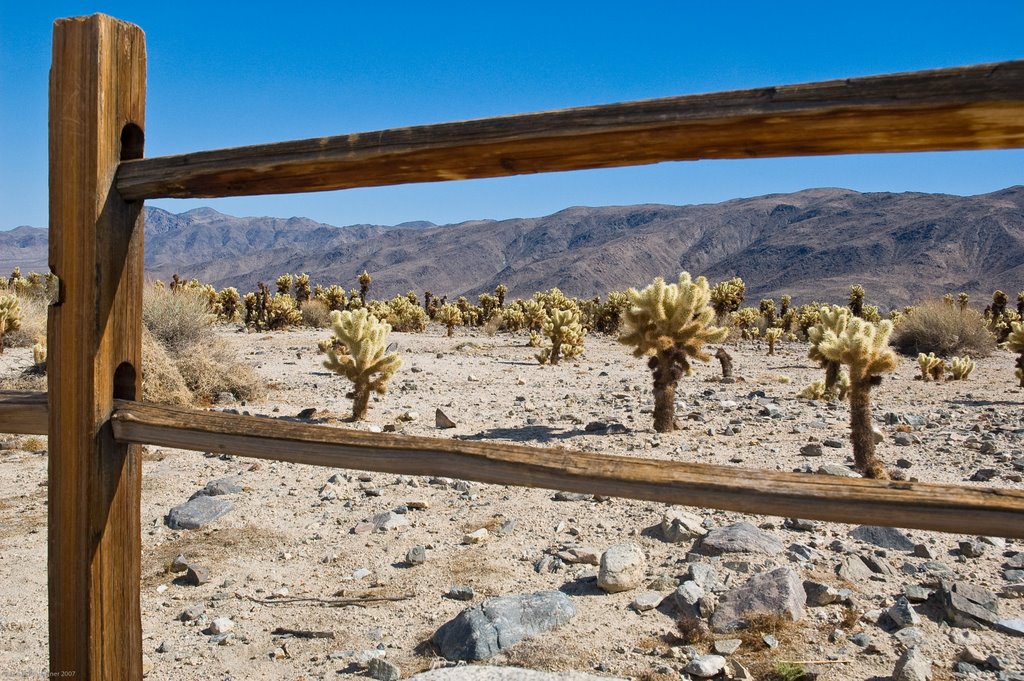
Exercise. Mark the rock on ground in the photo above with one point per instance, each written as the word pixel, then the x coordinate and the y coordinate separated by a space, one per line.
pixel 739 537
pixel 482 631
pixel 912 666
pixel 197 513
pixel 488 673
pixel 622 568
pixel 779 592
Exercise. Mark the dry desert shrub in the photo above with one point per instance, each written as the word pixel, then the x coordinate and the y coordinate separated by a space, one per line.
pixel 316 314
pixel 161 380
pixel 33 323
pixel 934 326
pixel 178 319
pixel 216 370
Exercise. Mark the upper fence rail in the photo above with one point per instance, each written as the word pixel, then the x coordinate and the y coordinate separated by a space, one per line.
pixel 972 107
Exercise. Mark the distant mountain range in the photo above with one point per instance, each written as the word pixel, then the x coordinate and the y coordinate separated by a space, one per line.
pixel 811 244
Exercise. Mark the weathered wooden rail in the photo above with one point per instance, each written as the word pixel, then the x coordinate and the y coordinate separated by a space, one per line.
pixel 99 179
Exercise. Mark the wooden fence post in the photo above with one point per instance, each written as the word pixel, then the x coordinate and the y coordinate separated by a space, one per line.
pixel 97 107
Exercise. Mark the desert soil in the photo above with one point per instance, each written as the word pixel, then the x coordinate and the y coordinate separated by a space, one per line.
pixel 283 541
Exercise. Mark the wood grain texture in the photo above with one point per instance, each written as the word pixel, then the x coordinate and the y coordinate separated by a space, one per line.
pixel 946 508
pixel 23 412
pixel 975 107
pixel 97 92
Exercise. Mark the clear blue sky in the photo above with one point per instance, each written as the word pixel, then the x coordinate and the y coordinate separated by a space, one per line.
pixel 234 73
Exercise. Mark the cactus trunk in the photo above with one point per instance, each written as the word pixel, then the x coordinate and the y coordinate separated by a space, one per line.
pixel 831 378
pixel 360 402
pixel 861 432
pixel 451 330
pixel 556 354
pixel 665 393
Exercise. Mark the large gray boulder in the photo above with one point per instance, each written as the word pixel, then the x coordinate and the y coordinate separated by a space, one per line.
pixel 482 631
pixel 740 537
pixel 779 592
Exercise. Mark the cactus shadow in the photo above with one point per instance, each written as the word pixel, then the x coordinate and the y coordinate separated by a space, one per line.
pixel 582 586
pixel 524 434
pixel 984 403
pixel 517 363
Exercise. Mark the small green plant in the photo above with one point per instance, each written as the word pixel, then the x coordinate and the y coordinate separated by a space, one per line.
pixel 361 356
pixel 961 367
pixel 932 367
pixel 864 348
pixel 772 335
pixel 671 323
pixel 450 316
pixel 564 331
pixel 1015 343
pixel 10 315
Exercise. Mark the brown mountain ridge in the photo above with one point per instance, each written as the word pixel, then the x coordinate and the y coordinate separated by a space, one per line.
pixel 811 244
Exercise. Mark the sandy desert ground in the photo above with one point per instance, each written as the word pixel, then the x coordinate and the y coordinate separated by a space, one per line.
pixel 290 535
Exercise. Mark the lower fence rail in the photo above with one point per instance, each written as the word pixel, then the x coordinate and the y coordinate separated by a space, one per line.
pixel 987 511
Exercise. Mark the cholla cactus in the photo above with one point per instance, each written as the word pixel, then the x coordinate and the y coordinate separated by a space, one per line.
pixel 513 319
pixel 857 300
pixel 948 299
pixel 784 303
pixel 932 367
pixel 230 303
pixel 1015 343
pixel 727 296
pixel 672 323
pixel 535 315
pixel 333 297
pixel 501 291
pixel 609 315
pixel 1020 304
pixel 361 356
pixel 284 284
pixel 264 312
pixel 450 316
pixel 488 305
pixel 566 334
pixel 963 299
pixel 999 301
pixel 961 367
pixel 767 309
pixel 302 292
pixel 864 348
pixel 364 285
pixel 816 390
pixel 744 320
pixel 10 315
pixel 832 320
pixel 772 335
pixel 39 356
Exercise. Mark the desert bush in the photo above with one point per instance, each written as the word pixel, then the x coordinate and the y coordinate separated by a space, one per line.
pixel 215 370
pixel 161 380
pixel 178 318
pixel 944 330
pixel 315 313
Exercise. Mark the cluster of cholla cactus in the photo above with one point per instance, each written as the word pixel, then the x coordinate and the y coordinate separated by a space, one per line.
pixel 403 314
pixel 564 331
pixel 932 368
pixel 671 323
pixel 1015 343
pixel 33 285
pixel 230 303
pixel 1000 319
pixel 359 352
pixel 10 316
pixel 266 312
pixel 832 322
pixel 864 348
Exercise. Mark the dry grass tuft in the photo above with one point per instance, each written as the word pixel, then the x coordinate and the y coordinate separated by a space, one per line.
pixel 161 380
pixel 215 370
pixel 179 320
pixel 33 323
pixel 946 330
pixel 316 314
